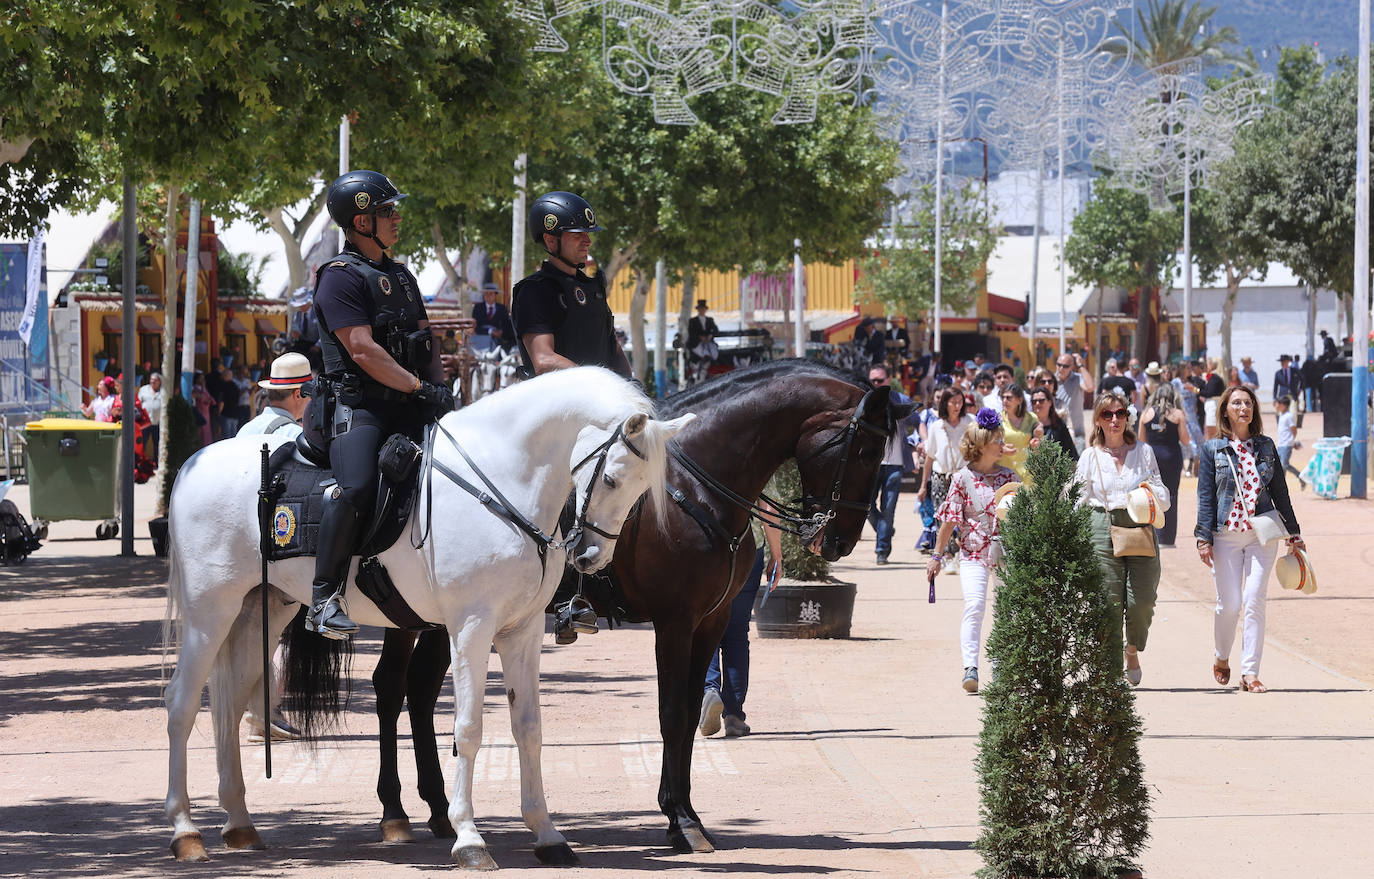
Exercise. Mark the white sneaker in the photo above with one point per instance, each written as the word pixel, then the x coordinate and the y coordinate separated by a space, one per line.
pixel 711 709
pixel 952 567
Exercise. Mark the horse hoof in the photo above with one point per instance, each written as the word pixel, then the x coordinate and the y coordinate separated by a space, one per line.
pixel 559 854
pixel 696 841
pixel 243 837
pixel 442 828
pixel 189 847
pixel 397 830
pixel 474 857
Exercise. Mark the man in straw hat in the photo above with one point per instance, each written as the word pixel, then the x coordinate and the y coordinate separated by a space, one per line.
pixel 285 405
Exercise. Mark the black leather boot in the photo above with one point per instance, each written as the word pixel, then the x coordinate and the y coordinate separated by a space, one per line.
pixel 338 533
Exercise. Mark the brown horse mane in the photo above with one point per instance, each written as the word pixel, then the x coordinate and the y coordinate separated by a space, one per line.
pixel 700 397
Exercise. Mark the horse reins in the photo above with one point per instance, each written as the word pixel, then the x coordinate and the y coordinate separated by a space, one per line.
pixel 784 517
pixel 497 503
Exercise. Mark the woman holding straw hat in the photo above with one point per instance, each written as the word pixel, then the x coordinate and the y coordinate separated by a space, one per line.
pixel 971 506
pixel 1112 471
pixel 1243 512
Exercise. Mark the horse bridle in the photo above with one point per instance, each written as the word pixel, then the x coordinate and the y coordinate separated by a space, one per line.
pixel 580 523
pixel 788 517
pixel 496 502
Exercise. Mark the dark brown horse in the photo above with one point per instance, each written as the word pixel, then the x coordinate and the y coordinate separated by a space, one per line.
pixel 683 578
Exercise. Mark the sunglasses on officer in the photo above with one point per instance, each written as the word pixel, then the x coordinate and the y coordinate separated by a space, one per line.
pixel 386 212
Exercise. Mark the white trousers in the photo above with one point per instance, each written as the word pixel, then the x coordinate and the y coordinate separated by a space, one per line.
pixel 1240 570
pixel 973 577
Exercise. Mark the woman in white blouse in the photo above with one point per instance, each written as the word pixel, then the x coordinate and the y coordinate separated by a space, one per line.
pixel 1112 466
pixel 943 458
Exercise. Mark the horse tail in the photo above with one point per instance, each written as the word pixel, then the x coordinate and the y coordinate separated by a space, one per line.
pixel 318 677
pixel 171 631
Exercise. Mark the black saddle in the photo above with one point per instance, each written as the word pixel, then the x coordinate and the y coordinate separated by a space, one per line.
pixel 300 491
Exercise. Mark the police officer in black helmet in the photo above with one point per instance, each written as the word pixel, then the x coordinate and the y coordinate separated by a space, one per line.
pixel 561 320
pixel 382 376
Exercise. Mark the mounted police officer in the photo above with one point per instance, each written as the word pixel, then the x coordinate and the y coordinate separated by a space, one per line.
pixel 562 319
pixel 382 376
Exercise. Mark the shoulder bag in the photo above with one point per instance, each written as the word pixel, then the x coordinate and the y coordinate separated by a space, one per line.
pixel 1268 526
pixel 1127 540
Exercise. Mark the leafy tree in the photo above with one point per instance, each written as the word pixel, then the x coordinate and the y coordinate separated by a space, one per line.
pixel 1226 245
pixel 900 274
pixel 1119 241
pixel 1173 31
pixel 1059 766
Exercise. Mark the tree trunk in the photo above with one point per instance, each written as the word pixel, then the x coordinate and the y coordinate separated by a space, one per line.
pixel 638 361
pixel 618 261
pixel 293 237
pixel 12 151
pixel 171 284
pixel 689 294
pixel 458 284
pixel 1228 309
pixel 295 260
pixel 1098 369
pixel 1141 348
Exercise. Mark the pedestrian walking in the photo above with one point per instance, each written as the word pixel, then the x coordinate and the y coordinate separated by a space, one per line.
pixel 943 458
pixel 1112 466
pixel 1212 388
pixel 1243 513
pixel 896 461
pixel 727 678
pixel 1051 421
pixel 971 506
pixel 1021 429
pixel 1286 438
pixel 1164 426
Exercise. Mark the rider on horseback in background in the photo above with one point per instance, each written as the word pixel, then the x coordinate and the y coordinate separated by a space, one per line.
pixel 562 319
pixel 382 376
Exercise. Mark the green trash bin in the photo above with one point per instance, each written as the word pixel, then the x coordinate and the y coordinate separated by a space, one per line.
pixel 73 467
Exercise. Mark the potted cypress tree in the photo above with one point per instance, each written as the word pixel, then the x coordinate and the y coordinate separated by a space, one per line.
pixel 182 439
pixel 1059 760
pixel 807 602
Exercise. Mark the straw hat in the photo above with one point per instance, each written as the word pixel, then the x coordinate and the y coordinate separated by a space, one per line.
pixel 1153 368
pixel 288 371
pixel 1295 572
pixel 1144 508
pixel 1001 501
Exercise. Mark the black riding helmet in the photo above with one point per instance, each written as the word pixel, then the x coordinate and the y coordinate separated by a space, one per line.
pixel 360 192
pixel 557 212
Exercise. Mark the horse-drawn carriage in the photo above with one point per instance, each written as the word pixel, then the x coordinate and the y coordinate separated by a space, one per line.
pixel 480 367
pixel 728 350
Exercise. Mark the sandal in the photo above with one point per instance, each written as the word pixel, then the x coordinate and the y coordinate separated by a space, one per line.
pixel 1255 686
pixel 1221 673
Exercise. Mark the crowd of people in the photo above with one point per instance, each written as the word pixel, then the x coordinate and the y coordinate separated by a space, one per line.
pixel 1134 434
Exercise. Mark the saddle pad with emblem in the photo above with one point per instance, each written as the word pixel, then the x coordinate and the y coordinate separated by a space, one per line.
pixel 295 526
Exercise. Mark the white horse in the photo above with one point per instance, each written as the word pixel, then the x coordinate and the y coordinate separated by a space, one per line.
pixel 584 430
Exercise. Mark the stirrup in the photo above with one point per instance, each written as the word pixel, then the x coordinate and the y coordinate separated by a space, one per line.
pixel 330 619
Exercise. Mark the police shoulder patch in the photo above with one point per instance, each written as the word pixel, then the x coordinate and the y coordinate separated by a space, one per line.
pixel 338 263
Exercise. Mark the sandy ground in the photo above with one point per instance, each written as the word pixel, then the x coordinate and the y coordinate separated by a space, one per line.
pixel 861 761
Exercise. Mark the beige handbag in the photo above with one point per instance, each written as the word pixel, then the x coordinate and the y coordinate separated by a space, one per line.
pixel 1137 541
pixel 1127 541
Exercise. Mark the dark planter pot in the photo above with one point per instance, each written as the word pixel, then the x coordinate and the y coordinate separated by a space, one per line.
pixel 157 529
pixel 806 610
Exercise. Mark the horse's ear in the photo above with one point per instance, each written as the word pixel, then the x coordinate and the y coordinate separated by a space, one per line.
pixel 634 425
pixel 875 409
pixel 671 428
pixel 902 411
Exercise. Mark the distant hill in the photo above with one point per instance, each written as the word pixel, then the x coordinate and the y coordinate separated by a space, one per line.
pixel 1264 24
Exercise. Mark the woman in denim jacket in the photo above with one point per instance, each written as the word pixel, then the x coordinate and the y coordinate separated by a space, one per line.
pixel 1226 539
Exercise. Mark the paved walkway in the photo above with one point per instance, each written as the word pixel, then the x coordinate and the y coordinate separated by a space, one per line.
pixel 861 762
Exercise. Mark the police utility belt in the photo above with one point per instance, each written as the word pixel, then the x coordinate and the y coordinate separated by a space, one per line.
pixel 339 395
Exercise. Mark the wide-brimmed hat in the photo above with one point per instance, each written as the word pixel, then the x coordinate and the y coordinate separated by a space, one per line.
pixel 1001 501
pixel 1294 571
pixel 288 371
pixel 1153 368
pixel 1144 508
pixel 299 297
pixel 1285 358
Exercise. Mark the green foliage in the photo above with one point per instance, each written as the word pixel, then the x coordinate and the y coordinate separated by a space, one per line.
pixel 240 274
pixel 901 272
pixel 182 439
pixel 1059 766
pixel 1292 179
pixel 798 563
pixel 1170 31
pixel 1118 241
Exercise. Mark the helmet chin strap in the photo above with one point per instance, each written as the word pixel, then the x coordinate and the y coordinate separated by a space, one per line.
pixel 559 253
pixel 373 233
